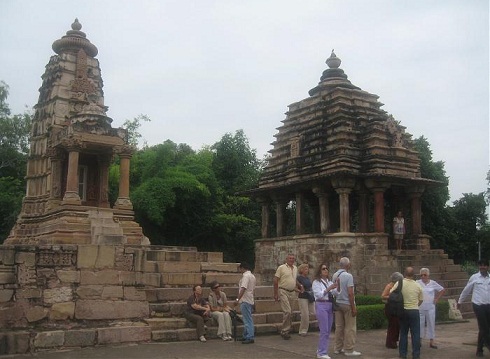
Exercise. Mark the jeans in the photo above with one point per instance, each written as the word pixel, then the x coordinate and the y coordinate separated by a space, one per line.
pixel 410 321
pixel 248 323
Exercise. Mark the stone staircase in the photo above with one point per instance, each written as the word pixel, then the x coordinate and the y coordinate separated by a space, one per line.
pixel 177 269
pixel 442 269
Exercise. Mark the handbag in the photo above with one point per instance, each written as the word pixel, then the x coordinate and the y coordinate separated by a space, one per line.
pixel 310 296
pixel 331 298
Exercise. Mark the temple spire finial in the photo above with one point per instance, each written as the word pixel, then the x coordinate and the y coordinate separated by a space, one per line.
pixel 76 25
pixel 333 61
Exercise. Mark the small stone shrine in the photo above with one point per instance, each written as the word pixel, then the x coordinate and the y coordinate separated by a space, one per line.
pixel 72 146
pixel 346 166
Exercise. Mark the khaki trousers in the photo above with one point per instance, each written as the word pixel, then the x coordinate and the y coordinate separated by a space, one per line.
pixel 287 299
pixel 345 329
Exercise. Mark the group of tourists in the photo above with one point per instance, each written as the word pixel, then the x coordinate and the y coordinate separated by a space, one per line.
pixel 333 297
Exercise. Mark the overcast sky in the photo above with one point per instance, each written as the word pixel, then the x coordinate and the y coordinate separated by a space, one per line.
pixel 200 69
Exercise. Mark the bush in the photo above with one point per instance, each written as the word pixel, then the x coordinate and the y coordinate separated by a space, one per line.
pixel 368 299
pixel 442 311
pixel 371 317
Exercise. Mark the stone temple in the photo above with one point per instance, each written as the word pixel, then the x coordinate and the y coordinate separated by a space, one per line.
pixel 75 272
pixel 72 145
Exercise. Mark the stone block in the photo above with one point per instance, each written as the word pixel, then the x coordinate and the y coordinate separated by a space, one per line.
pixel 108 309
pixel 182 278
pixel 106 257
pixel 14 343
pixel 152 279
pixel 178 267
pixel 113 292
pixel 90 291
pixel 131 278
pixel 6 295
pixel 87 256
pixel 123 334
pixel 7 256
pixel 36 313
pixel 58 295
pixel 7 278
pixel 28 293
pixel 133 293
pixel 62 311
pixel 107 277
pixel 68 276
pixel 51 339
pixel 27 258
pixel 80 338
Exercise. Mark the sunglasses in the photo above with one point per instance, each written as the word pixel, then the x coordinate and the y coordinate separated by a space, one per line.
pixel 216 287
pixel 424 275
pixel 324 268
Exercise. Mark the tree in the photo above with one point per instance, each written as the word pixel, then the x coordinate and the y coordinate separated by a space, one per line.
pixel 133 126
pixel 436 220
pixel 14 147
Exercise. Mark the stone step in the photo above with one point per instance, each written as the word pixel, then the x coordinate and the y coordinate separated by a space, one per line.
pixel 183 256
pixel 160 295
pixel 187 334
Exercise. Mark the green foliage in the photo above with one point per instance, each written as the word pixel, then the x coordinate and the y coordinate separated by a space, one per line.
pixel 371 317
pixel 368 299
pixel 11 193
pixel 442 311
pixel 133 126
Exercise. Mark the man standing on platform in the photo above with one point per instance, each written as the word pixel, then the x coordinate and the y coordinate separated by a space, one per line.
pixel 285 292
pixel 479 288
pixel 345 316
pixel 246 300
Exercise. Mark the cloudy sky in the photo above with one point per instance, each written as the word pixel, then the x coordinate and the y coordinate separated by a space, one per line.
pixel 200 69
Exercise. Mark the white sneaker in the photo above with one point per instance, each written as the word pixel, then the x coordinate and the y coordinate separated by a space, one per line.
pixel 323 356
pixel 224 337
pixel 229 337
pixel 352 354
pixel 341 351
pixel 202 339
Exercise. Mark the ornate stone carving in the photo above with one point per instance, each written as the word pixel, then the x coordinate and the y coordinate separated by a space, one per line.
pixel 51 258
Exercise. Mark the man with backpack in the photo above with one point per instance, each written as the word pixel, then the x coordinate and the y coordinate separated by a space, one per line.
pixel 410 320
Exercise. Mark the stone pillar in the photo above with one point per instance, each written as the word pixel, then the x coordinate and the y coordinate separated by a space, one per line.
pixel 344 208
pixel 280 214
pixel 364 211
pixel 324 210
pixel 71 196
pixel 300 221
pixel 125 153
pixel 104 162
pixel 265 217
pixel 416 206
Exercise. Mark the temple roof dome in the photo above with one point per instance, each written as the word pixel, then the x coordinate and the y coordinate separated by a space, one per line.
pixel 74 40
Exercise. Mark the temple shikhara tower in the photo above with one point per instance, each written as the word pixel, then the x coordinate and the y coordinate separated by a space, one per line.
pixel 346 167
pixel 72 145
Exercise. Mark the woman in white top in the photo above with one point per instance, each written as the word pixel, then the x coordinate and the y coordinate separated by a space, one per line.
pixel 432 291
pixel 322 290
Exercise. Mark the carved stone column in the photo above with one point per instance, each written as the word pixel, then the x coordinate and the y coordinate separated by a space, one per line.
pixel 324 210
pixel 364 211
pixel 125 153
pixel 265 217
pixel 71 196
pixel 344 208
pixel 378 188
pixel 104 162
pixel 344 186
pixel 280 216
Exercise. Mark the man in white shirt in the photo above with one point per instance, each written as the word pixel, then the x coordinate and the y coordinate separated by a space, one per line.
pixel 479 288
pixel 246 300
